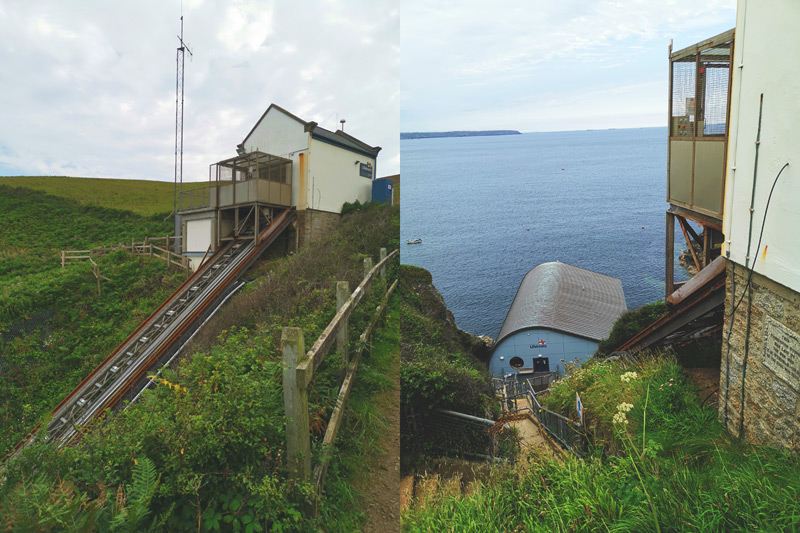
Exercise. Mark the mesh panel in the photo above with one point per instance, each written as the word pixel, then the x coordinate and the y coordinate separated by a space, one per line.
pixel 708 109
pixel 714 72
pixel 683 100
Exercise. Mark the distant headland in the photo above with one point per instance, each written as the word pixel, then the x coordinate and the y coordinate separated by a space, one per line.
pixel 436 134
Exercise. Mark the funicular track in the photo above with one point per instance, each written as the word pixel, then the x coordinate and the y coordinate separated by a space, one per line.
pixel 123 373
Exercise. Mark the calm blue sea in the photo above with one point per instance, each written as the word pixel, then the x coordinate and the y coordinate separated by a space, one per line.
pixel 489 209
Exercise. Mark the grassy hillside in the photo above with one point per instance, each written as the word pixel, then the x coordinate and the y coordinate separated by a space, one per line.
pixel 142 197
pixel 439 370
pixel 208 454
pixel 36 226
pixel 54 328
pixel 662 463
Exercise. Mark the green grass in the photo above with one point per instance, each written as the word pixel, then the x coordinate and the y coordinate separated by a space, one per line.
pixel 218 441
pixel 343 506
pixel 40 368
pixel 672 467
pixel 629 324
pixel 142 197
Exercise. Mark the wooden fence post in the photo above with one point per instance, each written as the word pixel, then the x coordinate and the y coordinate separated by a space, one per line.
pixel 169 259
pixel 367 265
pixel 382 257
pixel 295 400
pixel 342 294
pixel 151 250
pixel 63 258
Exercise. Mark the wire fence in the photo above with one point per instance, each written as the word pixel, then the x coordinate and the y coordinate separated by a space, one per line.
pixel 444 433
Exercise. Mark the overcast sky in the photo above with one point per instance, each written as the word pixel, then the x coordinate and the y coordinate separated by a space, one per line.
pixel 545 65
pixel 87 87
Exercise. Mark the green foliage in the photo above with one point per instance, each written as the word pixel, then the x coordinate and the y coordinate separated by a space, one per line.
pixel 216 437
pixel 40 367
pixel 348 207
pixel 672 468
pixel 131 508
pixel 437 373
pixel 629 324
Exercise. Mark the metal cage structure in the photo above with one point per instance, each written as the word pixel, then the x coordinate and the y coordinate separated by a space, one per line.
pixel 252 165
pixel 244 193
pixel 699 110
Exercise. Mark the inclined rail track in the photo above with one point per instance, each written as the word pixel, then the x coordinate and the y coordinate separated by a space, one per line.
pixel 157 337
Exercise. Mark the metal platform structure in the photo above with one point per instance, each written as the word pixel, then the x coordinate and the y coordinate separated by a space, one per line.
pixel 124 373
pixel 699 109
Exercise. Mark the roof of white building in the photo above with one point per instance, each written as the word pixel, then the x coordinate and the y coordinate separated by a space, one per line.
pixel 565 298
pixel 338 138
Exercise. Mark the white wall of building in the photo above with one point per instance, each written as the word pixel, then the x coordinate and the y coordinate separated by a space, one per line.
pixel 765 62
pixel 198 235
pixel 333 177
pixel 281 135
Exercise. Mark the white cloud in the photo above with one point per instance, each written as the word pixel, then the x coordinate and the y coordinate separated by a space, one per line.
pixel 464 62
pixel 93 83
pixel 246 25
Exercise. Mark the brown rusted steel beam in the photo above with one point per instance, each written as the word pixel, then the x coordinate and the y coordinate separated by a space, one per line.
pixel 689 243
pixel 156 355
pixel 702 300
pixel 693 234
pixel 714 269
pixel 100 366
pixel 695 216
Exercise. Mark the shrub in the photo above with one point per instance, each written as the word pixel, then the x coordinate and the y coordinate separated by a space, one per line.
pixel 629 324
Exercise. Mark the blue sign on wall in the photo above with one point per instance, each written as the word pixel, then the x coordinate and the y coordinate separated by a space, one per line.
pixel 365 170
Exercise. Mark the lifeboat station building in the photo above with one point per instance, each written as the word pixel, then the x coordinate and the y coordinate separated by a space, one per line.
pixel 559 312
pixel 283 162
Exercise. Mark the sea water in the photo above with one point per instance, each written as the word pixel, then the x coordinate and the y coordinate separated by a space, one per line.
pixel 489 209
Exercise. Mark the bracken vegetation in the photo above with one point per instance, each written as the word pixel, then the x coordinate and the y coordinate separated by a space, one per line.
pixel 54 327
pixel 204 449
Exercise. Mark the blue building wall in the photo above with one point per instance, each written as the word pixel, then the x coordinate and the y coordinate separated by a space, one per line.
pixel 525 344
pixel 382 191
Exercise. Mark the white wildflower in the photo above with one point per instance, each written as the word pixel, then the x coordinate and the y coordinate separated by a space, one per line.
pixel 624 407
pixel 628 376
pixel 620 418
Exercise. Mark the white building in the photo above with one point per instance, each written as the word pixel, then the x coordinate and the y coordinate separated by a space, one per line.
pixel 760 371
pixel 282 162
pixel 328 168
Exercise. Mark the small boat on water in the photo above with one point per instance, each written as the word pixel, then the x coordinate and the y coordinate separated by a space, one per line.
pixel 414 241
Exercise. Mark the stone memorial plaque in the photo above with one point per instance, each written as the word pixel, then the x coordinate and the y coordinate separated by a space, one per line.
pixel 782 352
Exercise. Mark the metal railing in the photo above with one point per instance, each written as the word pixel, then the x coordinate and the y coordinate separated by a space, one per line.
pixel 566 432
pixel 197 198
pixel 514 393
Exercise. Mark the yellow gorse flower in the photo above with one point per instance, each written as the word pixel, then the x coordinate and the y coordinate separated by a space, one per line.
pixel 172 386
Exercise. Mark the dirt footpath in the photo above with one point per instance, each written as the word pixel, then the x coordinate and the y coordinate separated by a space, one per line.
pixel 381 486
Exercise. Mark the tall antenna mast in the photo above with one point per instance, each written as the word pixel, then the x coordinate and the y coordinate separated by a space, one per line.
pixel 179 123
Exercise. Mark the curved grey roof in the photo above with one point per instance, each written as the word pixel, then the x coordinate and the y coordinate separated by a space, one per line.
pixel 565 298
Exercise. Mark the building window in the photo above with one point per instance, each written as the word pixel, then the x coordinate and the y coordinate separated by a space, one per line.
pixel 516 362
